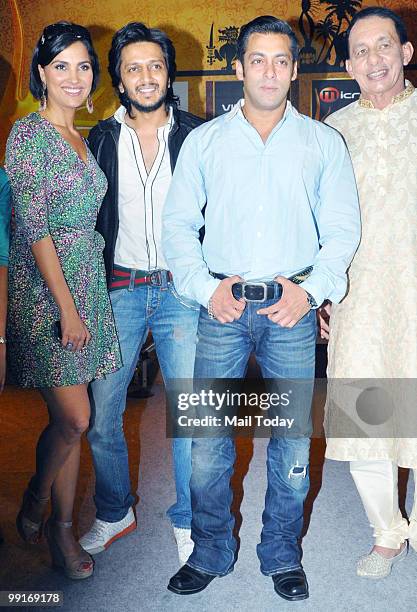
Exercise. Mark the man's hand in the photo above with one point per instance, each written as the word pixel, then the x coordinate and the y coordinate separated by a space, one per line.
pixel 292 306
pixel 323 320
pixel 224 306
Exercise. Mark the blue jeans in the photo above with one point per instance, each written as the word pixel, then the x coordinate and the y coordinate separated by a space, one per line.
pixel 222 352
pixel 173 323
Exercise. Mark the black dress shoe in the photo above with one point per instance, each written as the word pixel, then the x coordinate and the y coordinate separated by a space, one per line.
pixel 188 581
pixel 291 585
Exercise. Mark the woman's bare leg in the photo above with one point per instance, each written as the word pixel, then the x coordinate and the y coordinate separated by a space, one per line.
pixel 58 451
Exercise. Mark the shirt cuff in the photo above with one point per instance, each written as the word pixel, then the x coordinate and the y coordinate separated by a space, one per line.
pixel 205 290
pixel 316 290
pixel 323 288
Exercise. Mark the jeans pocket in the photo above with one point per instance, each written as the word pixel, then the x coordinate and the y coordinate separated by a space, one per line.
pixel 116 294
pixel 191 304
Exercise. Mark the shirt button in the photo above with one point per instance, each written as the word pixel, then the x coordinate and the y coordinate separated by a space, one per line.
pixel 261 208
pixel 258 234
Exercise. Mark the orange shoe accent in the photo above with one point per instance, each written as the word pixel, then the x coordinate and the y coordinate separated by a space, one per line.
pixel 122 533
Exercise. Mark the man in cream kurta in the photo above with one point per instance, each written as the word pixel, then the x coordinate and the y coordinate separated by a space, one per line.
pixel 373 332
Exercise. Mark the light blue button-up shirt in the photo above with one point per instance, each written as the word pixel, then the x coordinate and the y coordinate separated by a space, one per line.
pixel 270 206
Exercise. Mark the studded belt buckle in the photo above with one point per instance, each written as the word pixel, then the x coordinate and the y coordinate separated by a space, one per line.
pixel 254 292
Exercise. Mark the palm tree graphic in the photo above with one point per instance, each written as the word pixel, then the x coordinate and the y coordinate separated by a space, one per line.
pixel 342 12
pixel 325 30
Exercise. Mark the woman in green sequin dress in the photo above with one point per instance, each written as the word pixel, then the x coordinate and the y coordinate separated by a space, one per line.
pixel 56 197
pixel 57 280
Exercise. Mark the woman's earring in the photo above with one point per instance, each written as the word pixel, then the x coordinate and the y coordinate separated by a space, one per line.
pixel 90 105
pixel 42 101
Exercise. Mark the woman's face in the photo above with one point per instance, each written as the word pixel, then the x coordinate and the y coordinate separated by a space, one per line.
pixel 69 77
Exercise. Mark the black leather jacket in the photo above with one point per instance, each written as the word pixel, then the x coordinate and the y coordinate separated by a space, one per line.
pixel 103 141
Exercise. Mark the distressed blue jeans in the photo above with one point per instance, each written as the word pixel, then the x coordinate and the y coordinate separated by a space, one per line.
pixel 173 323
pixel 223 351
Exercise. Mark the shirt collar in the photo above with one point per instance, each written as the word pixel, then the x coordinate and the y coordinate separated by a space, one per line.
pixel 237 110
pixel 120 116
pixel 403 95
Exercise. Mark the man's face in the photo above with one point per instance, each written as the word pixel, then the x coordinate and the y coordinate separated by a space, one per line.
pixel 377 57
pixel 267 71
pixel 144 75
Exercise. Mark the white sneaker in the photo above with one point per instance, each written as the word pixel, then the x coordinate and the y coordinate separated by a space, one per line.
pixel 102 534
pixel 184 543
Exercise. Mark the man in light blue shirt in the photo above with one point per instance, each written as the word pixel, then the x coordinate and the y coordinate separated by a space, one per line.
pixel 281 227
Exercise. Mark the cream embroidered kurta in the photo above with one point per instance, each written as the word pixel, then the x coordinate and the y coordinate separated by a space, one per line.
pixel 373 331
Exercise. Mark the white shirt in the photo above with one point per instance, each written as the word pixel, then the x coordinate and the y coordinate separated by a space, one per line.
pixel 141 199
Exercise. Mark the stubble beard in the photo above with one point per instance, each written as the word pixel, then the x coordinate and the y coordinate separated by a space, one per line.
pixel 142 108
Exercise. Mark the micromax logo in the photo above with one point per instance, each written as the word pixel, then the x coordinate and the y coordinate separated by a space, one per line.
pixel 329 95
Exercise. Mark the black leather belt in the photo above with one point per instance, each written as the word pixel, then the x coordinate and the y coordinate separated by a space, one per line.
pixel 261 292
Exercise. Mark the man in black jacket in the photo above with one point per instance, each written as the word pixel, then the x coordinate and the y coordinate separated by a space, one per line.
pixel 137 149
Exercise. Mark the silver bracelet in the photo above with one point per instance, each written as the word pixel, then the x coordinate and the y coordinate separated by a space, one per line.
pixel 210 310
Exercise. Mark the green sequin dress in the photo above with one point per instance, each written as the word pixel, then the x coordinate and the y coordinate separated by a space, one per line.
pixel 55 193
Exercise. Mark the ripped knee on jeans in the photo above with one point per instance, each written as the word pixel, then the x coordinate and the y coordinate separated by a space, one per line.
pixel 297 472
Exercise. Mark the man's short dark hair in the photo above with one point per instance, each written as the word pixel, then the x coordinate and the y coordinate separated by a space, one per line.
pixel 136 32
pixel 55 38
pixel 384 13
pixel 266 24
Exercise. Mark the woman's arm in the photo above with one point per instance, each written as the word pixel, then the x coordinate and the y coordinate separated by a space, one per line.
pixel 5 213
pixel 72 328
pixel 3 316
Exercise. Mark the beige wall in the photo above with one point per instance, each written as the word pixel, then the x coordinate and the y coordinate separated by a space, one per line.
pixel 188 22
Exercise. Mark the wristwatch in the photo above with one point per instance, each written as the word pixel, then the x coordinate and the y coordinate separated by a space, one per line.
pixel 3 340
pixel 311 300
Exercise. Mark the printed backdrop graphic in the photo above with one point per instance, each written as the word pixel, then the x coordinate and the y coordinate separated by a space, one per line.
pixel 204 34
pixel 221 96
pixel 329 95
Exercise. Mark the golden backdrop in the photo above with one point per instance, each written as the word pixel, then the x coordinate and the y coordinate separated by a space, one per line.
pixel 204 34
